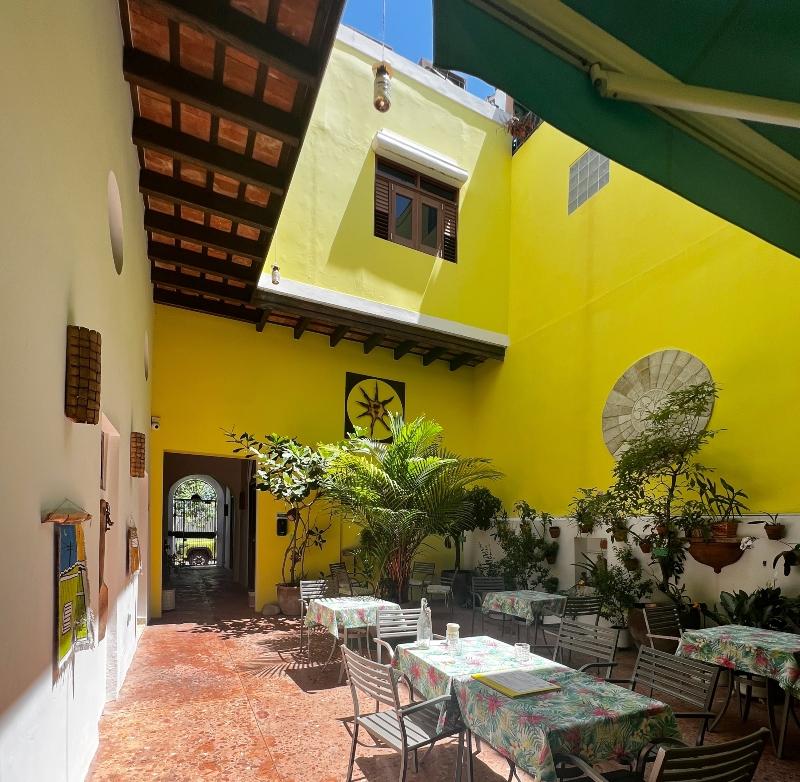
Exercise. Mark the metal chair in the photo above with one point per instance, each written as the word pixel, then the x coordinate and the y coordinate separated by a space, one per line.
pixel 310 590
pixel 393 625
pixel 690 681
pixel 421 575
pixel 404 728
pixel 443 588
pixel 663 623
pixel 344 581
pixel 731 761
pixel 589 641
pixel 481 586
pixel 575 606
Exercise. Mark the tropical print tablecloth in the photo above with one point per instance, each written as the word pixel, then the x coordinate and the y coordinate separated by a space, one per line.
pixel 347 612
pixel 432 671
pixel 524 603
pixel 588 717
pixel 749 649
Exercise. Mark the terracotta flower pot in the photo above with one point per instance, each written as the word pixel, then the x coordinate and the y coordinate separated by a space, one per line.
pixel 620 534
pixel 631 564
pixel 289 599
pixel 661 529
pixel 555 532
pixel 603 543
pixel 724 529
pixel 585 528
pixel 775 531
pixel 646 546
pixel 551 559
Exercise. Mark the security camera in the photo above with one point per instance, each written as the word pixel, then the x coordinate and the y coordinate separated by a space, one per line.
pixel 155 423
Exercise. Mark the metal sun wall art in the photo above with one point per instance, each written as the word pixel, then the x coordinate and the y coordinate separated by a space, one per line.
pixel 369 400
pixel 641 390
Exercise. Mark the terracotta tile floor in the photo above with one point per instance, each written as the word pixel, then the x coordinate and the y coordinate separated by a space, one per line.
pixel 217 692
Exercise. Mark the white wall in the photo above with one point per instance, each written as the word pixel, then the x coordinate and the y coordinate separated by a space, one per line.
pixel 64 124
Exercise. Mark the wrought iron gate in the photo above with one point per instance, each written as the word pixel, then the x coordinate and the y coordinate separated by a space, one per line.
pixel 193 531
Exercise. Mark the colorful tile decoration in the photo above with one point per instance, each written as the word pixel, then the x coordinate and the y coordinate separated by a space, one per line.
pixel 348 612
pixel 749 649
pixel 587 717
pixel 524 603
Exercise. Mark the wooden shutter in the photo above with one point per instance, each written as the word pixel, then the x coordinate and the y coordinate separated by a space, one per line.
pixel 450 233
pixel 381 208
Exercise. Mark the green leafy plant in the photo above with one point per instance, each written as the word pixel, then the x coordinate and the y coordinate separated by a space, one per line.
pixel 296 475
pixel 619 589
pixel 588 509
pixel 401 491
pixel 765 607
pixel 485 508
pixel 525 549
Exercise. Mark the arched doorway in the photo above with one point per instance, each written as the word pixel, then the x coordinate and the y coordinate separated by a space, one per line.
pixel 193 532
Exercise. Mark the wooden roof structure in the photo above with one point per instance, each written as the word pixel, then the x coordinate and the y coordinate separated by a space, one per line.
pixel 222 94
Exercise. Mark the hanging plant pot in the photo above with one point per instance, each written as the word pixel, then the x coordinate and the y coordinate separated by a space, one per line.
pixel 646 546
pixel 660 552
pixel 631 564
pixel 603 543
pixel 775 531
pixel 585 527
pixel 716 553
pixel 555 532
pixel 551 559
pixel 620 534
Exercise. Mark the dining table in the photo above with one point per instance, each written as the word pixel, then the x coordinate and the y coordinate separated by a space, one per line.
pixel 771 654
pixel 526 604
pixel 348 613
pixel 588 717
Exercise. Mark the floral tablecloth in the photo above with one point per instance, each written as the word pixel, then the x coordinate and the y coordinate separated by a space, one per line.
pixel 524 603
pixel 762 652
pixel 347 612
pixel 432 671
pixel 587 717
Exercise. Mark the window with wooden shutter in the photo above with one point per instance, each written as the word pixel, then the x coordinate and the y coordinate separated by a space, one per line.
pixel 415 211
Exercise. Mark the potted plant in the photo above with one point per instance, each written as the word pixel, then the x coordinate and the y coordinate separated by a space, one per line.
pixel 646 545
pixel 383 488
pixel 775 529
pixel 485 508
pixel 790 557
pixel 293 474
pixel 725 505
pixel 588 509
pixel 619 590
pixel 628 558
pixel 551 552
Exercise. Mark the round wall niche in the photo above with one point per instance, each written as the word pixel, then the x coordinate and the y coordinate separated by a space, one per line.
pixel 115 221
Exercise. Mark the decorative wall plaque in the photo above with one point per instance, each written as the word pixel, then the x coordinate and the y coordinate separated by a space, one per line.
pixel 137 454
pixel 82 393
pixel 368 402
pixel 640 390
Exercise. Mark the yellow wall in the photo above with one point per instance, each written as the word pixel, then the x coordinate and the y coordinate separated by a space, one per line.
pixel 210 374
pixel 325 236
pixel 634 270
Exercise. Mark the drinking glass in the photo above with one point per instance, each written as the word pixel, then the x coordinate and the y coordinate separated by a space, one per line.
pixel 522 652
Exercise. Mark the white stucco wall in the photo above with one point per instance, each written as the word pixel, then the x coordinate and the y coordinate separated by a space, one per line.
pixel 65 123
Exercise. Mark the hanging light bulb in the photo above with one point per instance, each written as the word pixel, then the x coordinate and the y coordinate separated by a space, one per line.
pixel 382 91
pixel 276 275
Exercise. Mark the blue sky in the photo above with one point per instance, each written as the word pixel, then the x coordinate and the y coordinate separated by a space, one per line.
pixel 409 30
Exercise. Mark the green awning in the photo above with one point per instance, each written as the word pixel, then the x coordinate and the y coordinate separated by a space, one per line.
pixel 704 95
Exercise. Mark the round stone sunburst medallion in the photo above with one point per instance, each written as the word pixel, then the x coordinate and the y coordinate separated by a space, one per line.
pixel 642 388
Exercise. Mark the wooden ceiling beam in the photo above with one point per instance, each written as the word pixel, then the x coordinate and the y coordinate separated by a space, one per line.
pixel 432 355
pixel 187 282
pixel 338 335
pixel 225 241
pixel 233 28
pixel 167 253
pixel 373 341
pixel 183 146
pixel 263 320
pixel 460 361
pixel 199 304
pixel 404 347
pixel 179 192
pixel 300 327
pixel 145 70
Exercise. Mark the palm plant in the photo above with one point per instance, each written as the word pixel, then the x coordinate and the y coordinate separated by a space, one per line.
pixel 401 491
